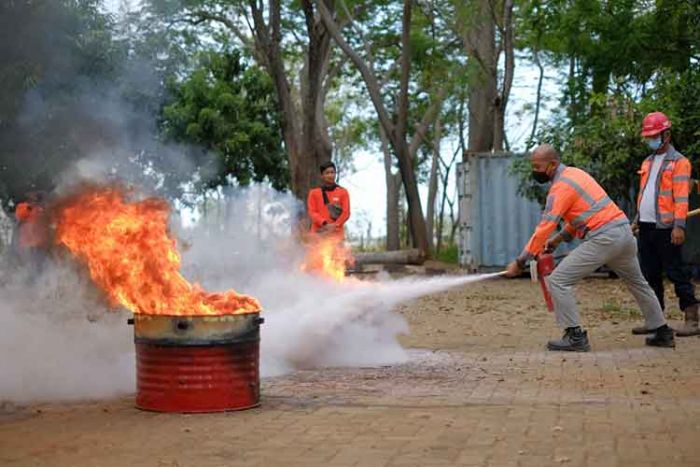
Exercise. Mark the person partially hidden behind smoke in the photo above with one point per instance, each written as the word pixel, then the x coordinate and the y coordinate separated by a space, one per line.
pixel 32 232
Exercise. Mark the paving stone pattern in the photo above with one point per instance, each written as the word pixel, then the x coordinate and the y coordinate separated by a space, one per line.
pixel 479 390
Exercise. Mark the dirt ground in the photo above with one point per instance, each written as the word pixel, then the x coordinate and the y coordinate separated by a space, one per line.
pixel 479 390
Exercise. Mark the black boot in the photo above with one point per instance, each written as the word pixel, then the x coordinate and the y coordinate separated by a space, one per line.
pixel 642 330
pixel 574 340
pixel 663 337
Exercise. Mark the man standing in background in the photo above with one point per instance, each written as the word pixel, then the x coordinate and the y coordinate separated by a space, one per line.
pixel 329 205
pixel 329 209
pixel 32 231
pixel 662 208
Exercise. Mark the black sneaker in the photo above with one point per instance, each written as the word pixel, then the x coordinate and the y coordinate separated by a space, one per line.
pixel 574 340
pixel 663 337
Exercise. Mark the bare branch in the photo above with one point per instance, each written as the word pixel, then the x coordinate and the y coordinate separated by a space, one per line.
pixel 260 27
pixel 275 21
pixel 369 78
pixel 428 118
pixel 538 98
pixel 405 60
pixel 360 33
pixel 308 7
pixel 333 73
pixel 199 16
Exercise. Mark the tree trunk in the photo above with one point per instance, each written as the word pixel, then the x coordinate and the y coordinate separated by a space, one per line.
pixel 445 181
pixel 395 133
pixel 481 46
pixel 453 221
pixel 538 99
pixel 390 257
pixel 306 138
pixel 316 145
pixel 393 191
pixel 419 232
pixel 433 185
pixel 499 138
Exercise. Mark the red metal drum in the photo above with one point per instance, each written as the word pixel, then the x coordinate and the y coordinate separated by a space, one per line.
pixel 195 364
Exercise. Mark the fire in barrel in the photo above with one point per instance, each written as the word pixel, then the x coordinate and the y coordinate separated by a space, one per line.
pixel 195 351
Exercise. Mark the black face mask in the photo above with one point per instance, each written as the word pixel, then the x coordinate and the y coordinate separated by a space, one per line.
pixel 540 177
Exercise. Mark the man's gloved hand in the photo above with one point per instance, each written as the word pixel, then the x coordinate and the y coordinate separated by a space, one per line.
pixel 514 269
pixel 677 236
pixel 327 228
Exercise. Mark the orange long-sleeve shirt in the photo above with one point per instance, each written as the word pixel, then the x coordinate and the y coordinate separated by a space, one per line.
pixel 318 211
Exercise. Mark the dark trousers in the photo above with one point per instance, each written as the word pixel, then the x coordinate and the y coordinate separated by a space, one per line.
pixel 657 256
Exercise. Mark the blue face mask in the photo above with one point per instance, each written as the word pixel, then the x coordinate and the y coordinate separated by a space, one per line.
pixel 655 143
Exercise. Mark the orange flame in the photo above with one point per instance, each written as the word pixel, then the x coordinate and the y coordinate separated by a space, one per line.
pixel 133 258
pixel 327 256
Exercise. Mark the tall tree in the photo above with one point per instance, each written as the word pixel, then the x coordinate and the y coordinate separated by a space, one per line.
pixel 395 127
pixel 270 30
pixel 486 30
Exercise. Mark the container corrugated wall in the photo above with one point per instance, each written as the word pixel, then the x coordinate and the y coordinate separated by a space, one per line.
pixel 494 221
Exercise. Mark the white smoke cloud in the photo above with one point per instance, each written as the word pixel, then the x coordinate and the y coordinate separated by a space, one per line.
pixel 310 320
pixel 59 342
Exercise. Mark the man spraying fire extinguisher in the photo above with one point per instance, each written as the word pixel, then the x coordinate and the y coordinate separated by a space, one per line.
pixel 587 212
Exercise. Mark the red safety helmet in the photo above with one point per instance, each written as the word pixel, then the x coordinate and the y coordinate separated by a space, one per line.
pixel 654 123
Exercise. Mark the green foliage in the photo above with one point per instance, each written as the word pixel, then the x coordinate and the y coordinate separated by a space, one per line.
pixel 228 108
pixel 625 59
pixel 678 95
pixel 449 254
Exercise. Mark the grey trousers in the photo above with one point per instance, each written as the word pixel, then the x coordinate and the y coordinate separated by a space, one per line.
pixel 616 248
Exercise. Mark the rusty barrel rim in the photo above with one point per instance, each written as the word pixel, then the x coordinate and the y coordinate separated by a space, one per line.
pixel 197 330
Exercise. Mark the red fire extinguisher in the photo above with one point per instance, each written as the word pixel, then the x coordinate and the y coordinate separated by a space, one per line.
pixel 545 266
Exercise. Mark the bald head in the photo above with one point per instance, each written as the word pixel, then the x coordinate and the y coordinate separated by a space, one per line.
pixel 545 153
pixel 544 161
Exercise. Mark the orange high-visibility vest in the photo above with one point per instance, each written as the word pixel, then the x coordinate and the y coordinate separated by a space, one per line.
pixel 577 199
pixel 671 188
pixel 318 212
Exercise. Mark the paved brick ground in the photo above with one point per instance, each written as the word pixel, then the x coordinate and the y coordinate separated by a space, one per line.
pixel 478 391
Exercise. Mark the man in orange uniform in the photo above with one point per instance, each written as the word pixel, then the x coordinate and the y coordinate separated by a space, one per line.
pixel 329 205
pixel 32 230
pixel 587 212
pixel 662 208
